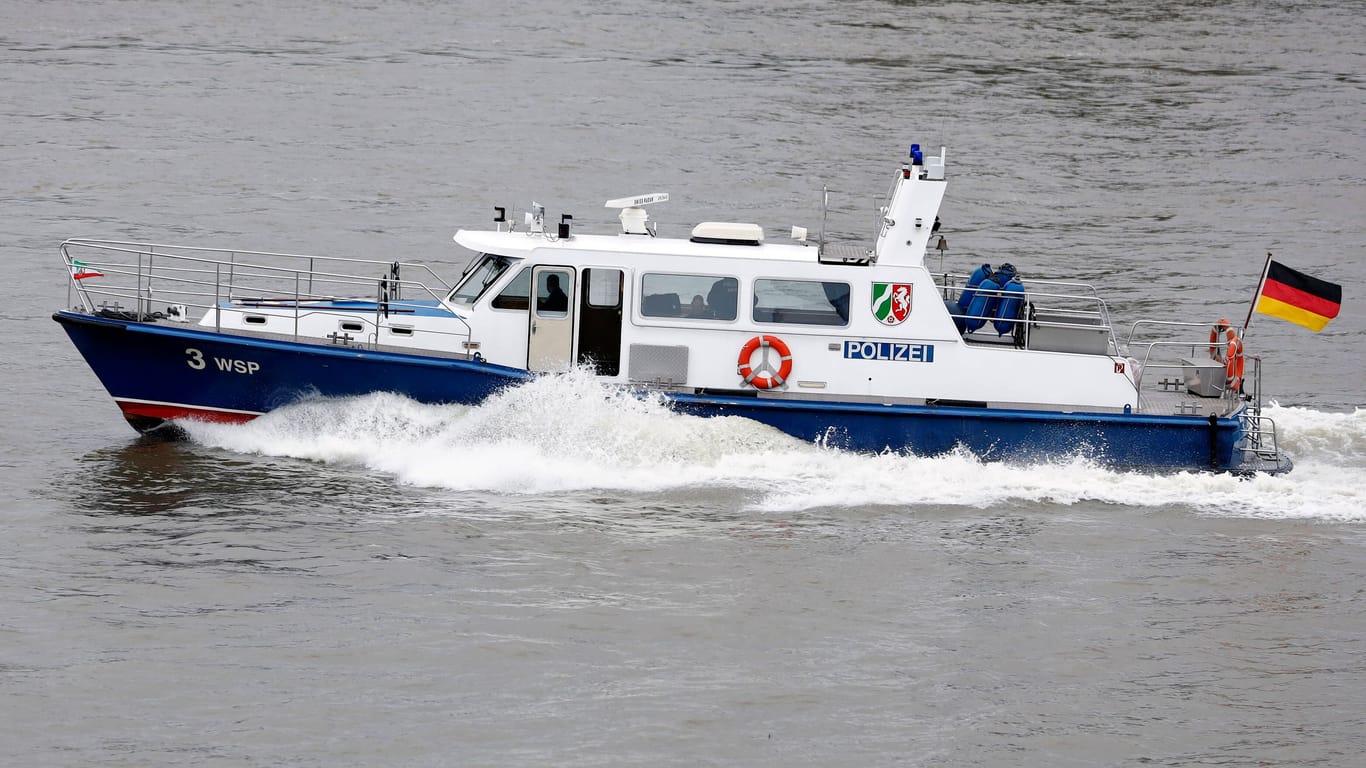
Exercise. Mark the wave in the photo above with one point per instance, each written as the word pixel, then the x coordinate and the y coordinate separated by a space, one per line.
pixel 571 433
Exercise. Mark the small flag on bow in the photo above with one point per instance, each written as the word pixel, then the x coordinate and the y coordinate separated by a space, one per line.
pixel 80 271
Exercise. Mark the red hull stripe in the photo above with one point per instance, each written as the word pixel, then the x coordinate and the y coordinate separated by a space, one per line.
pixel 176 411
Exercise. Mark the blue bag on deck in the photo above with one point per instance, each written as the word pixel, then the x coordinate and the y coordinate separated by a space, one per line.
pixel 970 290
pixel 985 302
pixel 1012 301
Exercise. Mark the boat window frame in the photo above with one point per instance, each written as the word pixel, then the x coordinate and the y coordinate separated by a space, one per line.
pixel 514 303
pixel 503 265
pixel 592 281
pixel 844 321
pixel 712 278
pixel 566 275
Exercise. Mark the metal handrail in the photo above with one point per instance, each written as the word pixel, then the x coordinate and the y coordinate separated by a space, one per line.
pixel 1260 434
pixel 135 247
pixel 206 278
pixel 1071 297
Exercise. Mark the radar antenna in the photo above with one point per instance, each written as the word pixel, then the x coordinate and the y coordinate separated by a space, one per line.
pixel 633 216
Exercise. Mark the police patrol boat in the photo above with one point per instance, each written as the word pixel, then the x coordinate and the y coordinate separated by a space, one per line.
pixel 855 346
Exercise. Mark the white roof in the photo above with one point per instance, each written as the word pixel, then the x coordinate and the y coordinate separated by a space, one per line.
pixel 521 244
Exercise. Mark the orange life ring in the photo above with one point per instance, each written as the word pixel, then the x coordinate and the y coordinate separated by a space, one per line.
pixel 1221 328
pixel 773 378
pixel 1233 365
pixel 1229 351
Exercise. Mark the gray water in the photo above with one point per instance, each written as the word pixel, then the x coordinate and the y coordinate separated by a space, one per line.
pixel 563 577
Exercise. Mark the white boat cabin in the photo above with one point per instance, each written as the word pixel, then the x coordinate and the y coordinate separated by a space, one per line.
pixel 865 324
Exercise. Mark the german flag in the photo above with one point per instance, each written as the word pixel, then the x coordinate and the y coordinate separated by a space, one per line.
pixel 1297 297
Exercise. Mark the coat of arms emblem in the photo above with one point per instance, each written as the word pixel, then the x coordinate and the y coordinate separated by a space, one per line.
pixel 891 302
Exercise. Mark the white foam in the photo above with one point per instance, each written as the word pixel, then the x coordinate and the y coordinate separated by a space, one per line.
pixel 570 433
pixel 1334 437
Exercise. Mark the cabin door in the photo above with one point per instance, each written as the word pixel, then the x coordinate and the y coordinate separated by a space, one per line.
pixel 600 304
pixel 550 340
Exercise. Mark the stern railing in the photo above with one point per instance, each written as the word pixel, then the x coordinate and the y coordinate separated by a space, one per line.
pixel 1179 349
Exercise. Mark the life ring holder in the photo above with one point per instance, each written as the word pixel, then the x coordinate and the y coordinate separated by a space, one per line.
pixel 1230 353
pixel 763 376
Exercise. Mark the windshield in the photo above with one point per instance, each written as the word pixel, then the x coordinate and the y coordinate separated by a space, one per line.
pixel 486 272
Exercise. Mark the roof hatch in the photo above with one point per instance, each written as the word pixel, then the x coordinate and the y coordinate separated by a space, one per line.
pixel 727 233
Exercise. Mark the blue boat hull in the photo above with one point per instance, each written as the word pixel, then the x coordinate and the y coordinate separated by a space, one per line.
pixel 1122 440
pixel 158 373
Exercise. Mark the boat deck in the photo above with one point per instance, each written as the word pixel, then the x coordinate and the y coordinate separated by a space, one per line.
pixel 341 341
pixel 1169 400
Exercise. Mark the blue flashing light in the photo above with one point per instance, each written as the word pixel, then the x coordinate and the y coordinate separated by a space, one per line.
pixel 916 157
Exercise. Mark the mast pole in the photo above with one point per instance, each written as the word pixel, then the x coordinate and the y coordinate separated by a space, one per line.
pixel 1265 269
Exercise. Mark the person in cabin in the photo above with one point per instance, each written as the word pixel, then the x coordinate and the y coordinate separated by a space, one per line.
pixel 838 296
pixel 721 299
pixel 697 307
pixel 555 300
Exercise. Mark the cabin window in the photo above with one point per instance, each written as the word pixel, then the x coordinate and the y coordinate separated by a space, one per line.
pixel 698 297
pixel 518 293
pixel 254 319
pixel 351 325
pixel 552 292
pixel 477 281
pixel 400 330
pixel 603 288
pixel 801 302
